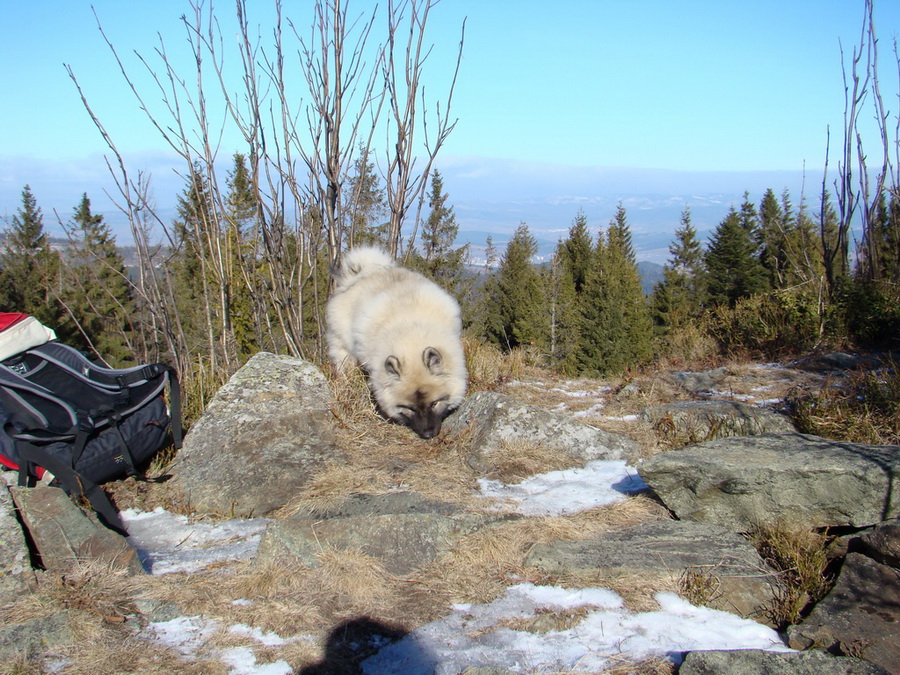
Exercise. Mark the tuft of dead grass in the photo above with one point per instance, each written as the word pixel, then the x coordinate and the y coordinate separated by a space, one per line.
pixel 516 460
pixel 489 367
pixel 864 408
pixel 800 557
pixel 651 666
pixel 333 485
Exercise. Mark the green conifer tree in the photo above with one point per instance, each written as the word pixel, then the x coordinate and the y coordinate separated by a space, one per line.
pixel 576 251
pixel 680 296
pixel 364 206
pixel 565 317
pixel 616 328
pixel 243 282
pixel 99 294
pixel 732 269
pixel 193 295
pixel 775 223
pixel 439 260
pixel 516 314
pixel 29 267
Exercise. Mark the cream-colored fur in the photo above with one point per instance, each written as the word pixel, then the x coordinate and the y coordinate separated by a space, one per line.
pixel 404 330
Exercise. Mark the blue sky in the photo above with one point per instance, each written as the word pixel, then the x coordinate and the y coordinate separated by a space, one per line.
pixel 546 90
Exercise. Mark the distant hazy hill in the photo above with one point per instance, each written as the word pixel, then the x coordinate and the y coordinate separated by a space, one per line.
pixel 651 274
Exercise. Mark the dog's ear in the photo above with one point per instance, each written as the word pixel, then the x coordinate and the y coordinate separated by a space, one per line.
pixel 433 360
pixel 392 366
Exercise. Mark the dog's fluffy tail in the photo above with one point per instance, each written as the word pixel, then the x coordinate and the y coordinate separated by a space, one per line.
pixel 359 262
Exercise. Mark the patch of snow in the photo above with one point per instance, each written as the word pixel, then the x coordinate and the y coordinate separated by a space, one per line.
pixel 473 635
pixel 268 638
pixel 185 634
pixel 242 661
pixel 588 412
pixel 624 418
pixel 167 542
pixel 568 491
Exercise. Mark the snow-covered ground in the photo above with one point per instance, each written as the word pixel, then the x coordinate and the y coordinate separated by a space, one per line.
pixel 485 635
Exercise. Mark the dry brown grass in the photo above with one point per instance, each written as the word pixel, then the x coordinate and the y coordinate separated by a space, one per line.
pixel 514 461
pixel 861 408
pixel 489 367
pixel 800 558
pixel 483 564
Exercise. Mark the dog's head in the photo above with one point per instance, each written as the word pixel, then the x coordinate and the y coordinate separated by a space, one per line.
pixel 420 392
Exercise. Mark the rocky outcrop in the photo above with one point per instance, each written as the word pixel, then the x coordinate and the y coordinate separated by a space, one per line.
pixel 702 382
pixel 268 432
pixel 65 536
pixel 16 573
pixel 758 662
pixel 494 419
pixel 697 421
pixel 743 481
pixel 861 614
pixel 403 531
pixel 264 434
pixel 722 568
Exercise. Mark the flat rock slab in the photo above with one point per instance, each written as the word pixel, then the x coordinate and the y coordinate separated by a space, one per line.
pixel 758 662
pixel 881 544
pixel 265 434
pixel 739 580
pixel 702 381
pixel 495 419
pixel 697 421
pixel 66 536
pixel 35 636
pixel 16 574
pixel 859 617
pixel 402 530
pixel 740 482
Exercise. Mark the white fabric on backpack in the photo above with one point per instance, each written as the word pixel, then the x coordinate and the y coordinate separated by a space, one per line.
pixel 22 335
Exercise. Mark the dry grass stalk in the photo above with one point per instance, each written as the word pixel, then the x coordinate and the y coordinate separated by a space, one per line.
pixel 700 586
pixel 865 408
pixel 488 367
pixel 483 564
pixel 800 557
pixel 514 461
pixel 638 590
pixel 333 485
pixel 132 654
pixel 545 620
pixel 651 666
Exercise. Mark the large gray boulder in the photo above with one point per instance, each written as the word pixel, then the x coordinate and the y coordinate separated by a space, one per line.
pixel 740 482
pixel 706 559
pixel 861 614
pixel 16 574
pixel 264 435
pixel 759 662
pixel 494 419
pixel 402 530
pixel 696 421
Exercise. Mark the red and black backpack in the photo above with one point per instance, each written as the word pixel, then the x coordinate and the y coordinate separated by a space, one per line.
pixel 80 422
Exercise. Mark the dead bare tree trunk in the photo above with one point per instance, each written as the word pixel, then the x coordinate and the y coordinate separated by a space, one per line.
pixel 405 184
